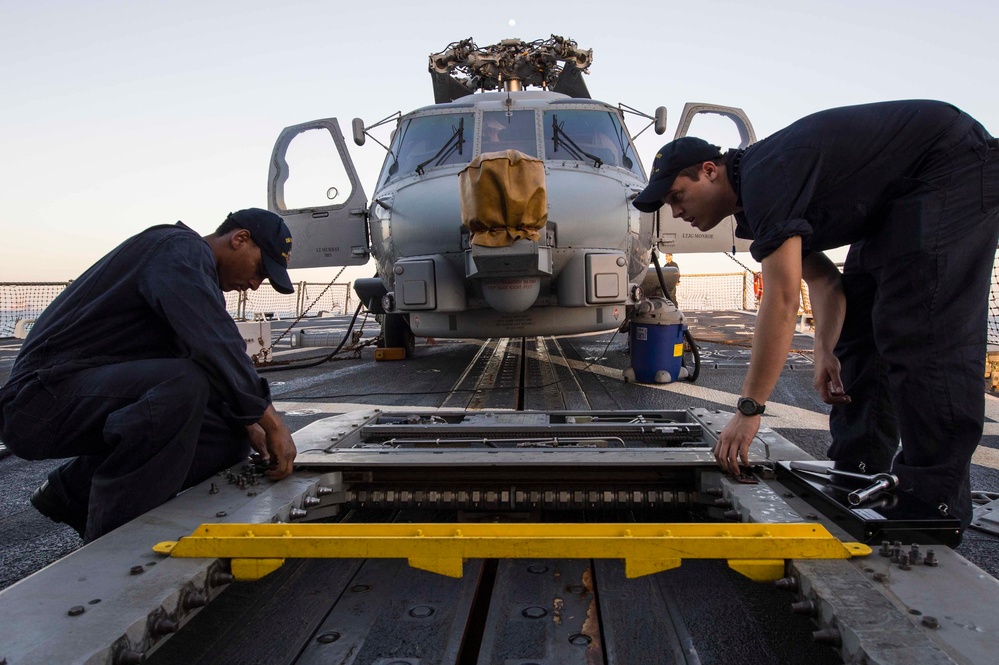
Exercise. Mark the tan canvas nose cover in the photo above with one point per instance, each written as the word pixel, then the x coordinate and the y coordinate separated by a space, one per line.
pixel 503 198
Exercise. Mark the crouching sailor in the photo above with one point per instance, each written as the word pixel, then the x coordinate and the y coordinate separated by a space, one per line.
pixel 138 373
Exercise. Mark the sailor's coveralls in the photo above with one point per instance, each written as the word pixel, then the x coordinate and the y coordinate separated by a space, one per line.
pixel 913 188
pixel 138 373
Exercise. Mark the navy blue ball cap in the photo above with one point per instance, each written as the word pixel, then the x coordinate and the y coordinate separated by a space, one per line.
pixel 272 236
pixel 674 157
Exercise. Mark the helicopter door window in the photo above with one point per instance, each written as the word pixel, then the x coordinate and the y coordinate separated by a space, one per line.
pixel 509 131
pixel 427 142
pixel 595 136
pixel 316 175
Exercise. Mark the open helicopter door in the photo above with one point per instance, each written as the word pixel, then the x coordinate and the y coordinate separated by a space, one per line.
pixel 318 193
pixel 675 235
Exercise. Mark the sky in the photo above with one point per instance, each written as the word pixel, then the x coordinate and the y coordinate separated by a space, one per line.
pixel 116 115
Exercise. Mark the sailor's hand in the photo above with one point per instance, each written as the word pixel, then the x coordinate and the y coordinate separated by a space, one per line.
pixel 279 448
pixel 827 379
pixel 733 444
pixel 282 451
pixel 258 442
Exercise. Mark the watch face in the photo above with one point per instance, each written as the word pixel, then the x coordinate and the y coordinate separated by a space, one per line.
pixel 748 407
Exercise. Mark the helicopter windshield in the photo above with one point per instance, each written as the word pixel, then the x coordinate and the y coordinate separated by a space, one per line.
pixel 426 142
pixel 581 135
pixel 509 131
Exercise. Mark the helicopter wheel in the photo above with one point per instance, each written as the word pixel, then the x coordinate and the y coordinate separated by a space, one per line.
pixel 396 333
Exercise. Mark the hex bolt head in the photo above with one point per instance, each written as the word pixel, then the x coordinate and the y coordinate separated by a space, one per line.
pixel 129 657
pixel 76 610
pixel 194 600
pixel 221 513
pixel 930 622
pixel 885 550
pixel 297 513
pixel 721 503
pixel 534 612
pixel 220 578
pixel 828 636
pixel 311 501
pixel 787 584
pixel 713 491
pixel 323 491
pixel 165 627
pixel 903 561
pixel 328 638
pixel 805 608
pixel 931 558
pixel 421 612
pixel 580 640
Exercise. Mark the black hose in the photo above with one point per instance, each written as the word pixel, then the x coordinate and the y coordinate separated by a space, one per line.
pixel 692 376
pixel 346 336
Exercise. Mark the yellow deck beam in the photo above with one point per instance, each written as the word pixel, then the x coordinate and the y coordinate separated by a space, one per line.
pixel 755 550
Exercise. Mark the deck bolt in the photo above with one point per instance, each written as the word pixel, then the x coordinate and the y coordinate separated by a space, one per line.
pixel 221 513
pixel 311 501
pixel 828 636
pixel 732 515
pixel 903 561
pixel 580 640
pixel 880 577
pixel 575 588
pixel 297 513
pixel 194 600
pixel 713 491
pixel 805 608
pixel 931 558
pixel 787 584
pixel 129 657
pixel 930 622
pixel 421 612
pixel 328 638
pixel 537 569
pixel 885 550
pixel 76 610
pixel 136 570
pixel 915 558
pixel 722 503
pixel 323 491
pixel 165 627
pixel 360 588
pixel 220 578
pixel 534 612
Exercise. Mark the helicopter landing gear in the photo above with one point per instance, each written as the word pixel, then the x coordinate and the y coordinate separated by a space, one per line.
pixel 396 333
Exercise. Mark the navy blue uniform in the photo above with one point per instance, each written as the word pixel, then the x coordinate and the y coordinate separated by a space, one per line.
pixel 913 188
pixel 138 372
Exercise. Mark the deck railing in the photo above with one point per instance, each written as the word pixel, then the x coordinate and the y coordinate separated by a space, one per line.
pixel 22 302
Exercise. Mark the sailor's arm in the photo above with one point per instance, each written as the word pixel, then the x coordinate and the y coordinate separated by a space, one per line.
pixel 825 289
pixel 771 343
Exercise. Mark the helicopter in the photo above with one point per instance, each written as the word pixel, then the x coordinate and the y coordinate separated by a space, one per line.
pixel 577 274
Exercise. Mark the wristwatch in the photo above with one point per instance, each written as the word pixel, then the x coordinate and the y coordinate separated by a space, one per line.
pixel 750 407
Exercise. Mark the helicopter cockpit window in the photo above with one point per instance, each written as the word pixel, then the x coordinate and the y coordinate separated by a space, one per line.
pixel 509 131
pixel 427 142
pixel 588 136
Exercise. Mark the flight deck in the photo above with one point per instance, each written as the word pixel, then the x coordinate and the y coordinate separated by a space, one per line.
pixel 535 445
